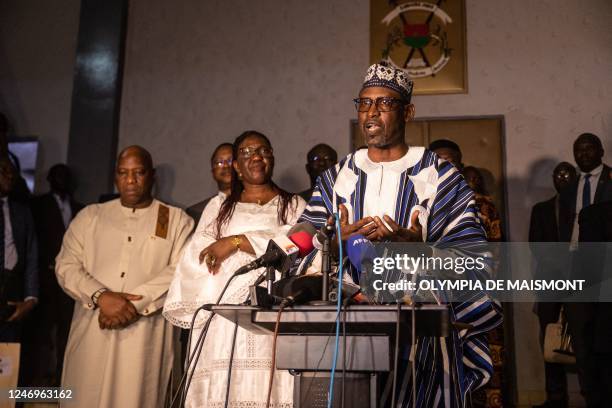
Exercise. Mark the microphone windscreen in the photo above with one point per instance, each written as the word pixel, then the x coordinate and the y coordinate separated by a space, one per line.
pixel 303 226
pixel 358 250
pixel 303 240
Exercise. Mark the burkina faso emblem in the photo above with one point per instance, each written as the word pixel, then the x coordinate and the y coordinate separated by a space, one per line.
pixel 417 39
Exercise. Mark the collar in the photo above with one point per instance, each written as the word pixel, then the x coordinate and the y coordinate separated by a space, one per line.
pixel 412 157
pixel 135 211
pixel 594 173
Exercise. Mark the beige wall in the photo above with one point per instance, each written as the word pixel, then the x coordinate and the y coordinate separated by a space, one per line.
pixel 198 73
pixel 37 49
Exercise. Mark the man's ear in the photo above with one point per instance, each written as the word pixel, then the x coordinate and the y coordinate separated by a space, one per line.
pixel 409 113
pixel 235 165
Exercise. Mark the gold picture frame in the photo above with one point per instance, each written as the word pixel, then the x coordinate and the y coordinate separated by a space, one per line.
pixel 426 38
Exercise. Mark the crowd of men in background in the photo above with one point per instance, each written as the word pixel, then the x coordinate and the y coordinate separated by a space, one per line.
pixel 37 310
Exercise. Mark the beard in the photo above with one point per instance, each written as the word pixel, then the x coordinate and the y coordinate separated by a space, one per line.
pixel 381 137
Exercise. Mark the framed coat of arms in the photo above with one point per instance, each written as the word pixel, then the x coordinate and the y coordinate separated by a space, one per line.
pixel 425 38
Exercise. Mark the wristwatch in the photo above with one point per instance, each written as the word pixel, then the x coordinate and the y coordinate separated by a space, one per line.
pixel 96 295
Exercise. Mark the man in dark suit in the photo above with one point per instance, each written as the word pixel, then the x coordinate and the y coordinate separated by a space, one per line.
pixel 221 169
pixel 19 191
pixel 590 322
pixel 18 259
pixel 594 185
pixel 543 227
pixel 53 212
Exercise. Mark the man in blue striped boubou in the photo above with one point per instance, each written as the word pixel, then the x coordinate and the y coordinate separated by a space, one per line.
pixel 391 192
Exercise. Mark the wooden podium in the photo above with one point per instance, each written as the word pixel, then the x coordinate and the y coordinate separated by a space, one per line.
pixel 306 343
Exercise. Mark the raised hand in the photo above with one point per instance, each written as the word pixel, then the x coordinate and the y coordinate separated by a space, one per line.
pixel 396 233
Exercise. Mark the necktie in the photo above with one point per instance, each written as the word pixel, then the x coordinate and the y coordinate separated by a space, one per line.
pixel 586 191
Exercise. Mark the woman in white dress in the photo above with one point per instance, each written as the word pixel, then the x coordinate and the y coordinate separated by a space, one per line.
pixel 231 233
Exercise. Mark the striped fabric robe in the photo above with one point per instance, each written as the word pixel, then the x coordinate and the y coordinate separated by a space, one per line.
pixel 447 369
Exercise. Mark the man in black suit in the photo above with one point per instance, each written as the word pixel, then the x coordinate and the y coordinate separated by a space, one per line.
pixel 594 185
pixel 221 169
pixel 19 191
pixel 18 259
pixel 590 323
pixel 53 212
pixel 544 228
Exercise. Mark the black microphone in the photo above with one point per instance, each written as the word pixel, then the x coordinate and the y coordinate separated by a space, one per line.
pixel 324 233
pixel 282 251
pixel 280 254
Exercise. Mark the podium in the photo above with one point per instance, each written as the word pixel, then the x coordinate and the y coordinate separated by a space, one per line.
pixel 306 343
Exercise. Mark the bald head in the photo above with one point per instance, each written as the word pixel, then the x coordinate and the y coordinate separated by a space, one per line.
pixel 134 177
pixel 137 151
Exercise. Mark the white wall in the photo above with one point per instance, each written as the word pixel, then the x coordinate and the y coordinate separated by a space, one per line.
pixel 37 49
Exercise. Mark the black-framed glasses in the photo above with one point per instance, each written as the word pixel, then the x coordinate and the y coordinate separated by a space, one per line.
pixel 264 151
pixel 222 163
pixel 319 159
pixel 383 104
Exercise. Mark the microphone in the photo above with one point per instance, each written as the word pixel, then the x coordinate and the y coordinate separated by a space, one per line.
pixel 360 252
pixel 283 251
pixel 325 232
pixel 301 235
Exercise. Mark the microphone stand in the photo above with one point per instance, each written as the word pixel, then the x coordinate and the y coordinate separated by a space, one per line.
pixel 270 278
pixel 325 266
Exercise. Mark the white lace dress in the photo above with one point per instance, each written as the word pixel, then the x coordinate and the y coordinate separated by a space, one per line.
pixel 194 286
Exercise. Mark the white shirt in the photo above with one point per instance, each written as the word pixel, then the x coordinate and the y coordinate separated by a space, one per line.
pixel 383 181
pixel 593 180
pixel 10 251
pixel 64 207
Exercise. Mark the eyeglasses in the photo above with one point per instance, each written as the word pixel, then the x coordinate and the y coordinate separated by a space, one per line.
pixel 264 151
pixel 318 159
pixel 222 163
pixel 563 175
pixel 383 104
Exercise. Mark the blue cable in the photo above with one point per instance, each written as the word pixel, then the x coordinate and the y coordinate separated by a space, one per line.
pixel 338 311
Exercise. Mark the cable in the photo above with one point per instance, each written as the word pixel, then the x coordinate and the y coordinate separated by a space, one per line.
pixel 190 357
pixel 396 354
pixel 344 305
pixel 194 361
pixel 272 367
pixel 194 357
pixel 413 350
pixel 229 368
pixel 339 308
